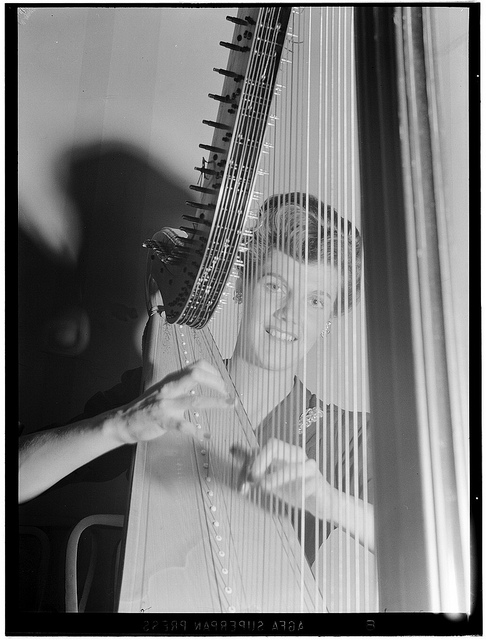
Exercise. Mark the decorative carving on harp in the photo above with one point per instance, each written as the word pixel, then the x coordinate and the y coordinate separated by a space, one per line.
pixel 274 513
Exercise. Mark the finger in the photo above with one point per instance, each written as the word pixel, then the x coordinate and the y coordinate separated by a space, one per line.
pixel 263 461
pixel 197 403
pixel 284 477
pixel 190 429
pixel 206 366
pixel 276 451
pixel 186 379
pixel 211 380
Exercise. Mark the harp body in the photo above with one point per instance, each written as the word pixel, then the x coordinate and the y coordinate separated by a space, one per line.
pixel 194 543
pixel 197 541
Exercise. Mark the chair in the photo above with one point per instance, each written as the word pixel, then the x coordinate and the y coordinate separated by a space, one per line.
pixel 71 579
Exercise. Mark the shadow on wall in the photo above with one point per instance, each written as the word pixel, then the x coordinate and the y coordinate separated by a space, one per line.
pixel 121 198
pixel 78 325
pixel 82 320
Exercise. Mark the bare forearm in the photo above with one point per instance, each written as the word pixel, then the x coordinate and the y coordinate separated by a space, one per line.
pixel 344 511
pixel 47 457
pixel 354 516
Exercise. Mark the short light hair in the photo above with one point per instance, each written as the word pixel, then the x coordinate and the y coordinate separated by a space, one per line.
pixel 306 229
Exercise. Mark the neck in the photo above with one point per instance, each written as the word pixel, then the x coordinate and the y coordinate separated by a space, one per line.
pixel 260 390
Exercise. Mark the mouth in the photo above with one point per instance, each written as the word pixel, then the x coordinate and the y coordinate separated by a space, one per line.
pixel 281 335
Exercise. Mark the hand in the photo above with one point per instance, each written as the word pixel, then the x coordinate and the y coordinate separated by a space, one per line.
pixel 162 407
pixel 285 471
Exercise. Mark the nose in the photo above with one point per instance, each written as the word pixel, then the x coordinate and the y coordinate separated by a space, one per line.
pixel 287 310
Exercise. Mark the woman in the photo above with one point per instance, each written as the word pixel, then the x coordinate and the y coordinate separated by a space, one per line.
pixel 294 287
pixel 291 285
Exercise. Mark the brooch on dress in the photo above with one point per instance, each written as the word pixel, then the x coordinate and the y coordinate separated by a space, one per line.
pixel 311 415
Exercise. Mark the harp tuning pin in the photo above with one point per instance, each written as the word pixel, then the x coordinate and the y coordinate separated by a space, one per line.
pixel 237 77
pixel 217 125
pixel 234 47
pixel 228 99
pixel 209 172
pixel 239 21
pixel 200 205
pixel 195 220
pixel 195 187
pixel 208 147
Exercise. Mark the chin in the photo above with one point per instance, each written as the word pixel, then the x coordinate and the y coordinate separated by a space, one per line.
pixel 280 360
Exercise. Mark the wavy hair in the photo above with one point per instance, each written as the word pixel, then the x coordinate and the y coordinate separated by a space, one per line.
pixel 305 229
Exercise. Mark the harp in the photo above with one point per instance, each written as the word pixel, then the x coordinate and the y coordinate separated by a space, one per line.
pixel 301 88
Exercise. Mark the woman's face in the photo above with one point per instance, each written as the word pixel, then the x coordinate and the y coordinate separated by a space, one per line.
pixel 285 311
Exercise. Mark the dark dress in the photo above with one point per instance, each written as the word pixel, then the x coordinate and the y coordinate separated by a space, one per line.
pixel 286 423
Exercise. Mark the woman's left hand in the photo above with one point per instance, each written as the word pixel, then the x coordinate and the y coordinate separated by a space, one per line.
pixel 285 471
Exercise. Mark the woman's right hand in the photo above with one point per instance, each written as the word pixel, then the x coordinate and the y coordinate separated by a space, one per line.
pixel 163 406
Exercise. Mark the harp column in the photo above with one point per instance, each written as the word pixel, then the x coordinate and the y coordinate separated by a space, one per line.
pixel 420 468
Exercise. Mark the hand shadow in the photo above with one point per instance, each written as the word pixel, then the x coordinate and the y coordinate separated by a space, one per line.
pixel 83 320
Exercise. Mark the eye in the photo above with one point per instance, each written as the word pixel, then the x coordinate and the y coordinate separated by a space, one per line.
pixel 316 302
pixel 274 285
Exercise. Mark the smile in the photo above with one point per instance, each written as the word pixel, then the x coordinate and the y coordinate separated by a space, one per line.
pixel 281 335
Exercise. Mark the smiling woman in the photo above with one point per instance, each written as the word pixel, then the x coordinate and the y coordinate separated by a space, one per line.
pixel 290 282
pixel 287 309
pixel 293 285
pixel 297 455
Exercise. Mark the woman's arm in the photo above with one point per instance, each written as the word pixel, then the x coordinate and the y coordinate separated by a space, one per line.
pixel 353 515
pixel 48 456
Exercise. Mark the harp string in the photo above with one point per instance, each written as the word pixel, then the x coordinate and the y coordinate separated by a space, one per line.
pixel 318 372
pixel 347 335
pixel 282 115
pixel 341 338
pixel 189 352
pixel 355 376
pixel 226 558
pixel 293 155
pixel 306 263
pixel 323 194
